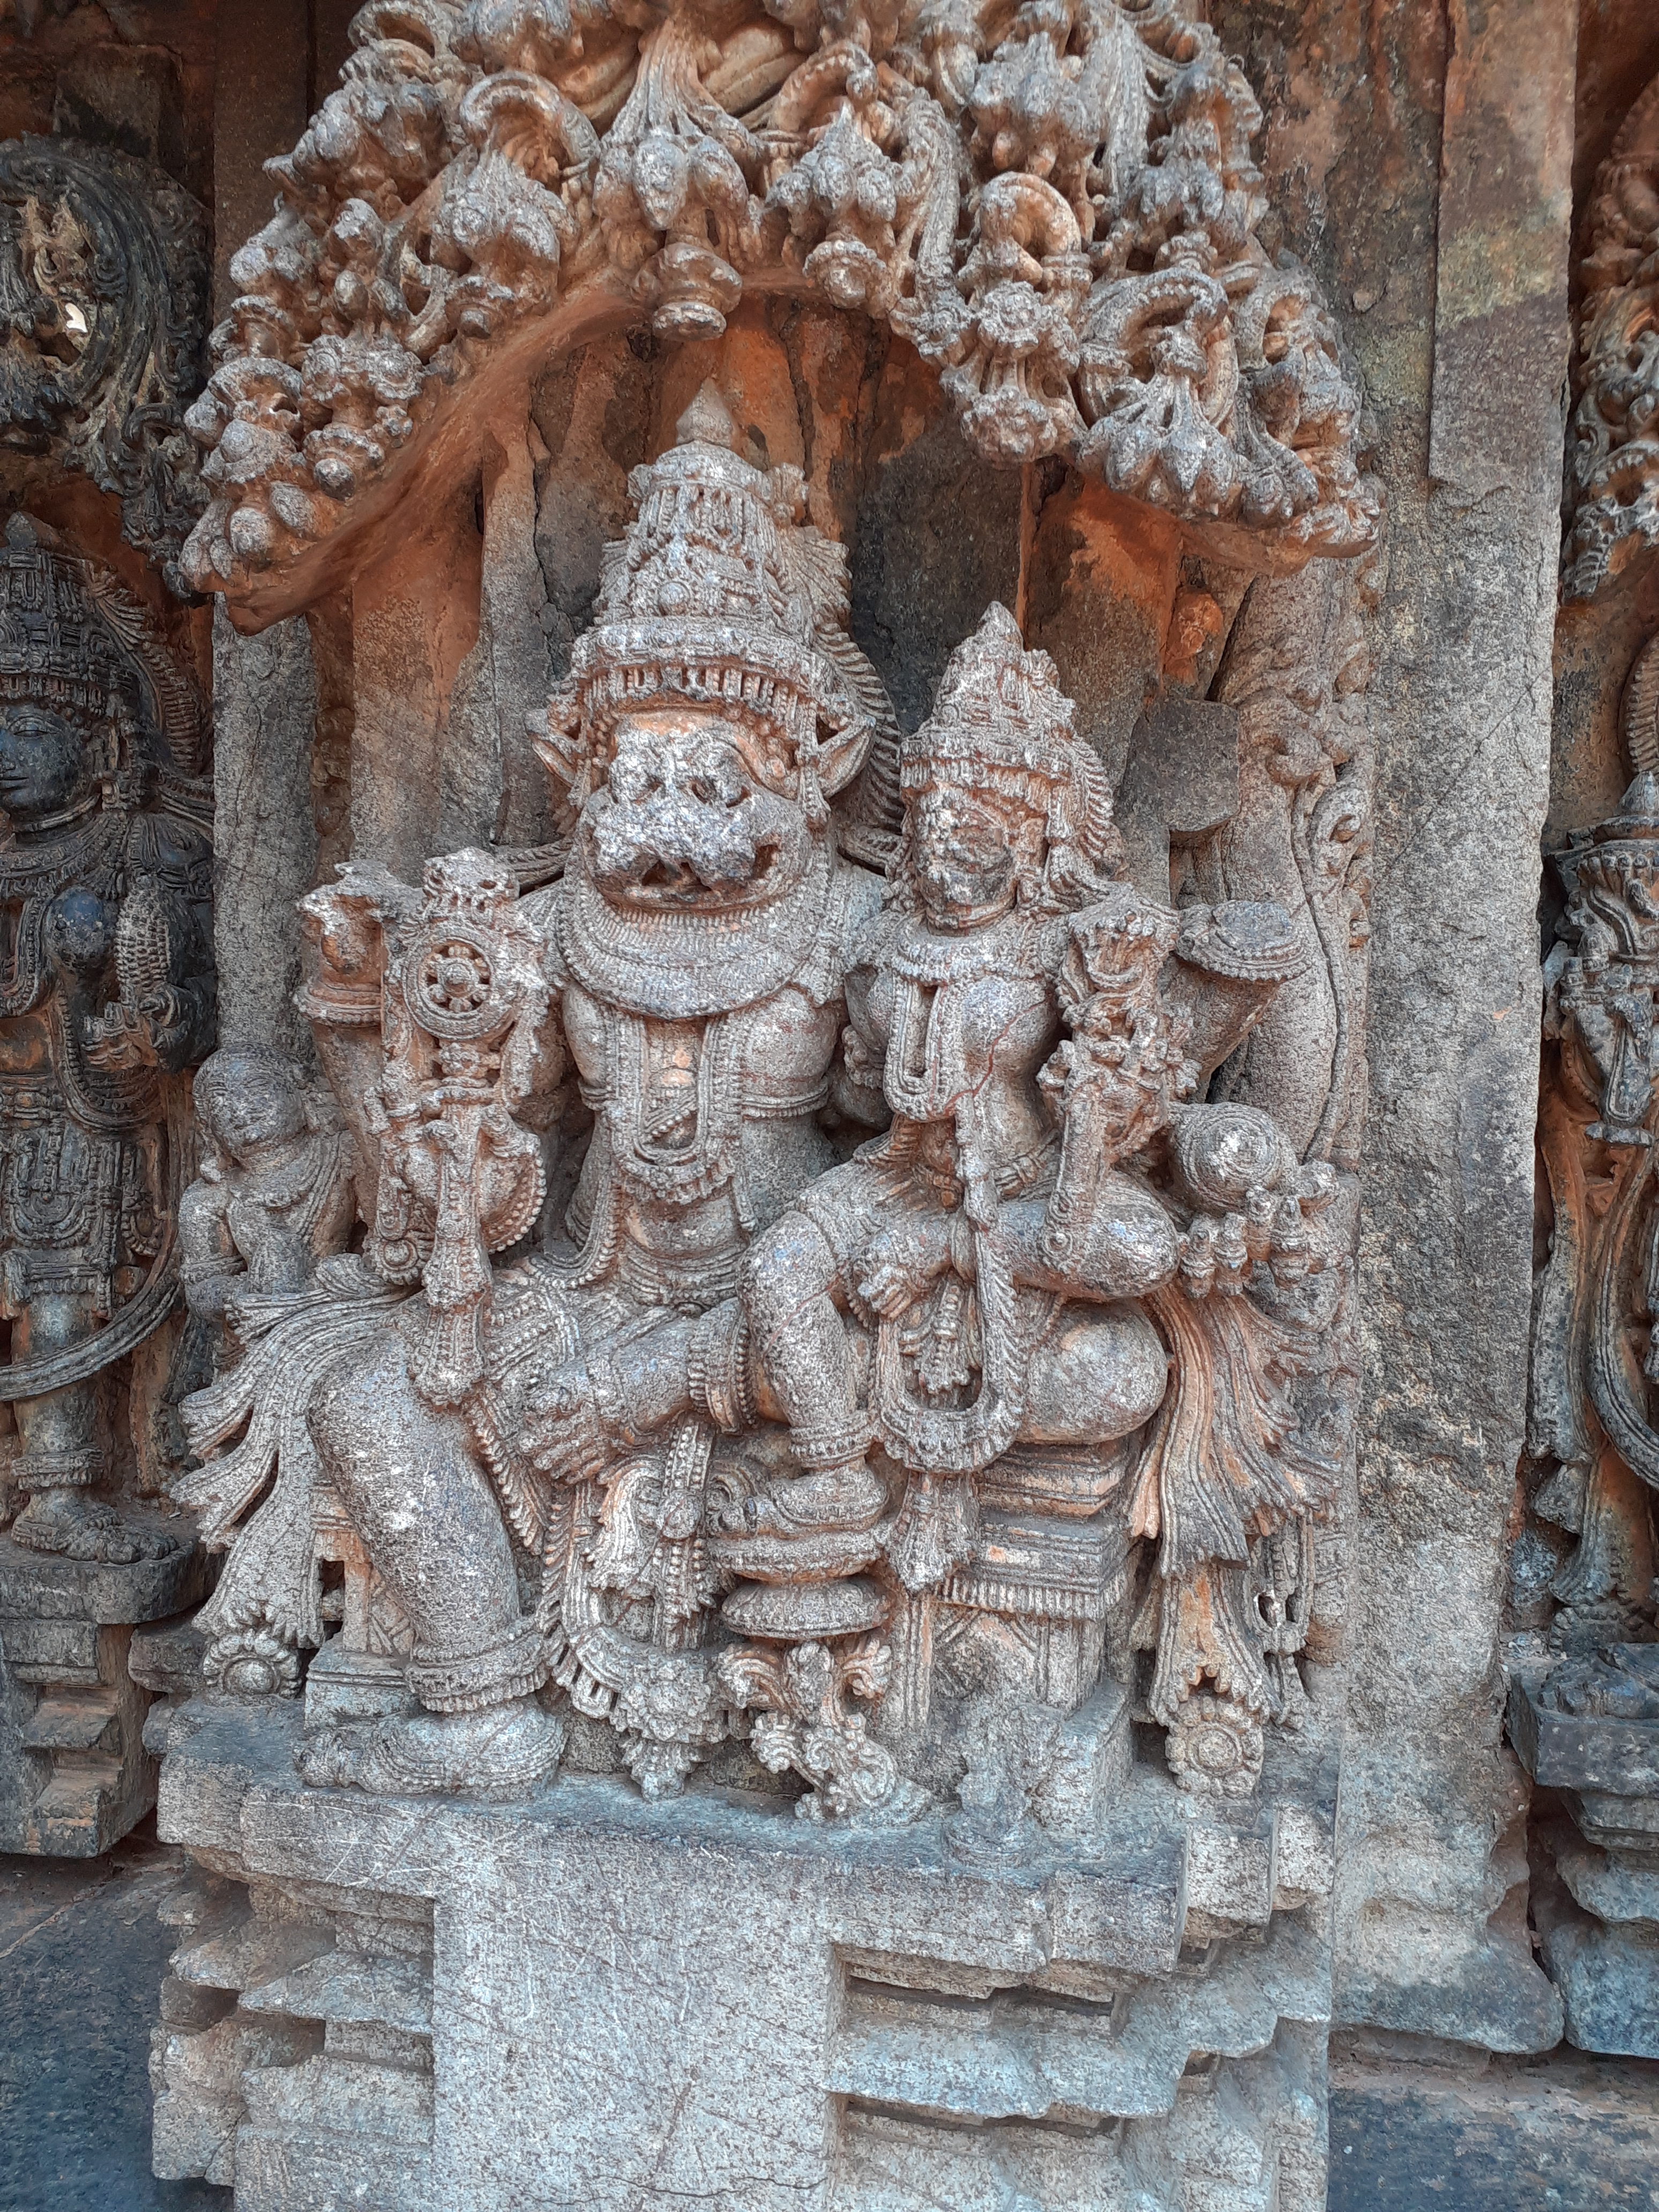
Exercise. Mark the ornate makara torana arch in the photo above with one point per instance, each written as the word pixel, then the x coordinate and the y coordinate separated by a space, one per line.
pixel 1056 205
pixel 929 1396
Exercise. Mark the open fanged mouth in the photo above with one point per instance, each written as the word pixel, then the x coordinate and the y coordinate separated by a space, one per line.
pixel 665 882
pixel 667 856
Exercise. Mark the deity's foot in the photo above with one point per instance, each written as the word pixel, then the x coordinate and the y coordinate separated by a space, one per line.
pixel 837 1500
pixel 503 1752
pixel 69 1522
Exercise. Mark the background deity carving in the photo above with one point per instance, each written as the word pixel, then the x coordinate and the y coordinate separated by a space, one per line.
pixel 109 1001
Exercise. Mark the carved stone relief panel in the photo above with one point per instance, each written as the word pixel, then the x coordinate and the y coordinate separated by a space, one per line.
pixel 775 1294
pixel 871 1339
pixel 106 870
pixel 103 268
pixel 781 1430
pixel 108 1003
pixel 1583 1713
pixel 1613 479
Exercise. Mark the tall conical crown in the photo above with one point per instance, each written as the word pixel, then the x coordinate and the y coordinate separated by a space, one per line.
pixel 719 597
pixel 1001 724
pixel 711 538
pixel 71 639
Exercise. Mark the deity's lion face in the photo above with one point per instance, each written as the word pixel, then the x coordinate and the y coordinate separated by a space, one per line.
pixel 45 765
pixel 684 819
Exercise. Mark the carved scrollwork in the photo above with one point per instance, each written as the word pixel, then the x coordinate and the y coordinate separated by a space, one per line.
pixel 1594 1360
pixel 103 270
pixel 1613 468
pixel 1056 203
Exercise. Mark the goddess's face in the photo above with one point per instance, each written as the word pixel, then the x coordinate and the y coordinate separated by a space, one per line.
pixel 45 766
pixel 962 860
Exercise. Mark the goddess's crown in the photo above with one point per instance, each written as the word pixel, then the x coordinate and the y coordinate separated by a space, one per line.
pixel 1002 725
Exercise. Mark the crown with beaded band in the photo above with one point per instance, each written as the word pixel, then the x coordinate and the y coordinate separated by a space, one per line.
pixel 74 642
pixel 720 599
pixel 1002 725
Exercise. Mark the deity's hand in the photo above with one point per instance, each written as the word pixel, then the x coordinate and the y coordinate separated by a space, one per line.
pixel 240 1294
pixel 155 1033
pixel 1221 1252
pixel 119 1038
pixel 564 1432
pixel 898 1267
pixel 591 1411
pixel 169 1016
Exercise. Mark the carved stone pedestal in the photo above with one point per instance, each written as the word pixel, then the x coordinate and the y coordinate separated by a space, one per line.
pixel 588 1999
pixel 1596 1875
pixel 74 1776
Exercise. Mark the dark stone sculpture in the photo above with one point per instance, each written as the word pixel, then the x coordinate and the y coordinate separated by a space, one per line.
pixel 107 995
pixel 103 282
pixel 107 1001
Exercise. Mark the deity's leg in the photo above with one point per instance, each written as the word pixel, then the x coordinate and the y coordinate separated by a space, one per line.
pixel 62 1457
pixel 800 1345
pixel 425 1511
pixel 1099 1373
pixel 808 1613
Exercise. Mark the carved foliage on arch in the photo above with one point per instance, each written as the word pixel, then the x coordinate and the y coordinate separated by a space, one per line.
pixel 1055 202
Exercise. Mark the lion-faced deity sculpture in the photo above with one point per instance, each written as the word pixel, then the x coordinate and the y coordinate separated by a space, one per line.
pixel 674 1447
pixel 680 988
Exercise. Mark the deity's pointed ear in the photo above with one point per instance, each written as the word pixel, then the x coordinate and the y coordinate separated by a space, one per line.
pixel 843 742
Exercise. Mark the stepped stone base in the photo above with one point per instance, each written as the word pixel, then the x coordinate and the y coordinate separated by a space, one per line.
pixel 1415 2125
pixel 1594 1892
pixel 589 2001
pixel 74 1773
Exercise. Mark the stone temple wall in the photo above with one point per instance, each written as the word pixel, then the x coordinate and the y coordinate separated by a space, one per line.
pixel 827 1071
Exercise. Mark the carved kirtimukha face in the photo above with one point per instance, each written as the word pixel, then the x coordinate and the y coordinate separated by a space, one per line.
pixel 685 820
pixel 46 769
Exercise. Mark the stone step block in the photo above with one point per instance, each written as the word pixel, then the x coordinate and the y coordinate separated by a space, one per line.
pixel 339 1986
pixel 890 2163
pixel 74 1721
pixel 276 2172
pixel 250 1952
pixel 43 1586
pixel 45 1651
pixel 1019 2054
pixel 73 1815
pixel 387 2106
pixel 67 1629
pixel 166 1655
pixel 197 2074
